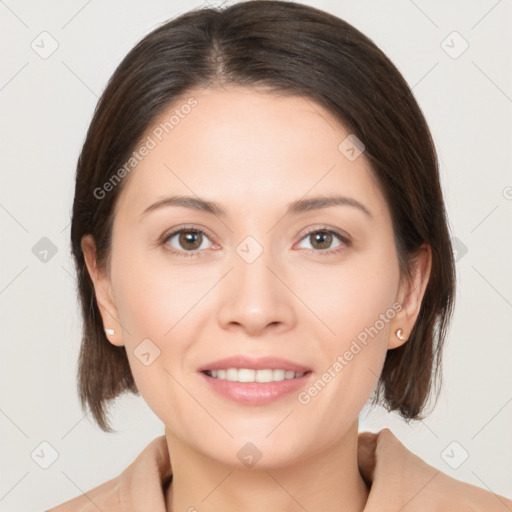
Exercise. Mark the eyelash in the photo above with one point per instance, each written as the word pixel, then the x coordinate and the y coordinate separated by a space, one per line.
pixel 187 254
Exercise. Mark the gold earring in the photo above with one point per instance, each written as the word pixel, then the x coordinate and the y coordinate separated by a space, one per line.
pixel 110 332
pixel 399 334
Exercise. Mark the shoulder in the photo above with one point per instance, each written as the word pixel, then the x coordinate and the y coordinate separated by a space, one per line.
pixel 104 497
pixel 401 479
pixel 138 486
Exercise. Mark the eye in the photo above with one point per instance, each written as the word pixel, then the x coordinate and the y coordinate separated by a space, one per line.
pixel 188 241
pixel 322 239
pixel 185 240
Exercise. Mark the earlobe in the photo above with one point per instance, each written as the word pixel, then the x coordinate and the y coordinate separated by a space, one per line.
pixel 102 290
pixel 412 290
pixel 114 337
pixel 397 338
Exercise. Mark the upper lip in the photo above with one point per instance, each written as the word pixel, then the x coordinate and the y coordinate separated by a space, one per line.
pixel 254 363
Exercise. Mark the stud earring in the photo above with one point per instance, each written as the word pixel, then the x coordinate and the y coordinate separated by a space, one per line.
pixel 399 334
pixel 110 332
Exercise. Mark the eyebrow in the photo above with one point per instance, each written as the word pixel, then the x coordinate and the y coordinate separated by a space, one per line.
pixel 293 208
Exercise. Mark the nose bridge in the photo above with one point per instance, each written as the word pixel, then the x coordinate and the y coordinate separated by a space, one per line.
pixel 254 296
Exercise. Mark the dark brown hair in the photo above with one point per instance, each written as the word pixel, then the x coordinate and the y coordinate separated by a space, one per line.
pixel 289 49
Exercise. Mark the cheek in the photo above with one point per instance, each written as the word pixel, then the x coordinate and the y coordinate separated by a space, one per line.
pixel 154 295
pixel 354 296
pixel 356 304
pixel 156 307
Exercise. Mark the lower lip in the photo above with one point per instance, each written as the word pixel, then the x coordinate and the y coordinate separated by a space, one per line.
pixel 255 393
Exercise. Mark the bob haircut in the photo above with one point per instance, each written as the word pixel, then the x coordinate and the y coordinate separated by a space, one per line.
pixel 288 49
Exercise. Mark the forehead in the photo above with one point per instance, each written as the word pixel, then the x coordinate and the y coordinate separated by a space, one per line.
pixel 237 145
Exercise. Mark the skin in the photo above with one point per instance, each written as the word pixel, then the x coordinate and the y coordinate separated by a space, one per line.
pixel 253 153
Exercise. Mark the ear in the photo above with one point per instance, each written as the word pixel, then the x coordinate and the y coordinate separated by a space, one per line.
pixel 103 292
pixel 410 295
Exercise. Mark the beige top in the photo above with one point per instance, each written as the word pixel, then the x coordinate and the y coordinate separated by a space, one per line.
pixel 398 480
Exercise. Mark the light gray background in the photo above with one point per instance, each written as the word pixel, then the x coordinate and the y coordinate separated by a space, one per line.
pixel 45 108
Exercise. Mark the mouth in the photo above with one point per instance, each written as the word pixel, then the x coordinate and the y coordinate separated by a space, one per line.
pixel 254 381
pixel 251 375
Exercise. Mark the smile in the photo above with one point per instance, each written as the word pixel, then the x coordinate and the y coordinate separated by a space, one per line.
pixel 250 375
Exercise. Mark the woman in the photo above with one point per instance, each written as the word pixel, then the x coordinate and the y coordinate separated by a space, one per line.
pixel 262 246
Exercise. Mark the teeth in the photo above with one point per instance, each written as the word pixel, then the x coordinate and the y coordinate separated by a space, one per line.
pixel 278 375
pixel 264 376
pixel 248 375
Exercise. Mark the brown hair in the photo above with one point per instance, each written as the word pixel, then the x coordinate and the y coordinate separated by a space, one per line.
pixel 292 49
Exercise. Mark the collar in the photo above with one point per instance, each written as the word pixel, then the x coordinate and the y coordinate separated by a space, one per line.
pixel 398 480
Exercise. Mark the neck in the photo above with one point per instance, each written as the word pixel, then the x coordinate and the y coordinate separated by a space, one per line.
pixel 329 481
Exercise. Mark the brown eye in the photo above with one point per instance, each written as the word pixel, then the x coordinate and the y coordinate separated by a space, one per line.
pixel 321 241
pixel 322 238
pixel 186 240
pixel 190 240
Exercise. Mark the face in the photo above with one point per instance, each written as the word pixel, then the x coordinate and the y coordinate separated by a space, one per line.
pixel 306 296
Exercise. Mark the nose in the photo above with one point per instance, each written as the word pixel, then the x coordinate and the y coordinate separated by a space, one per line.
pixel 256 297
